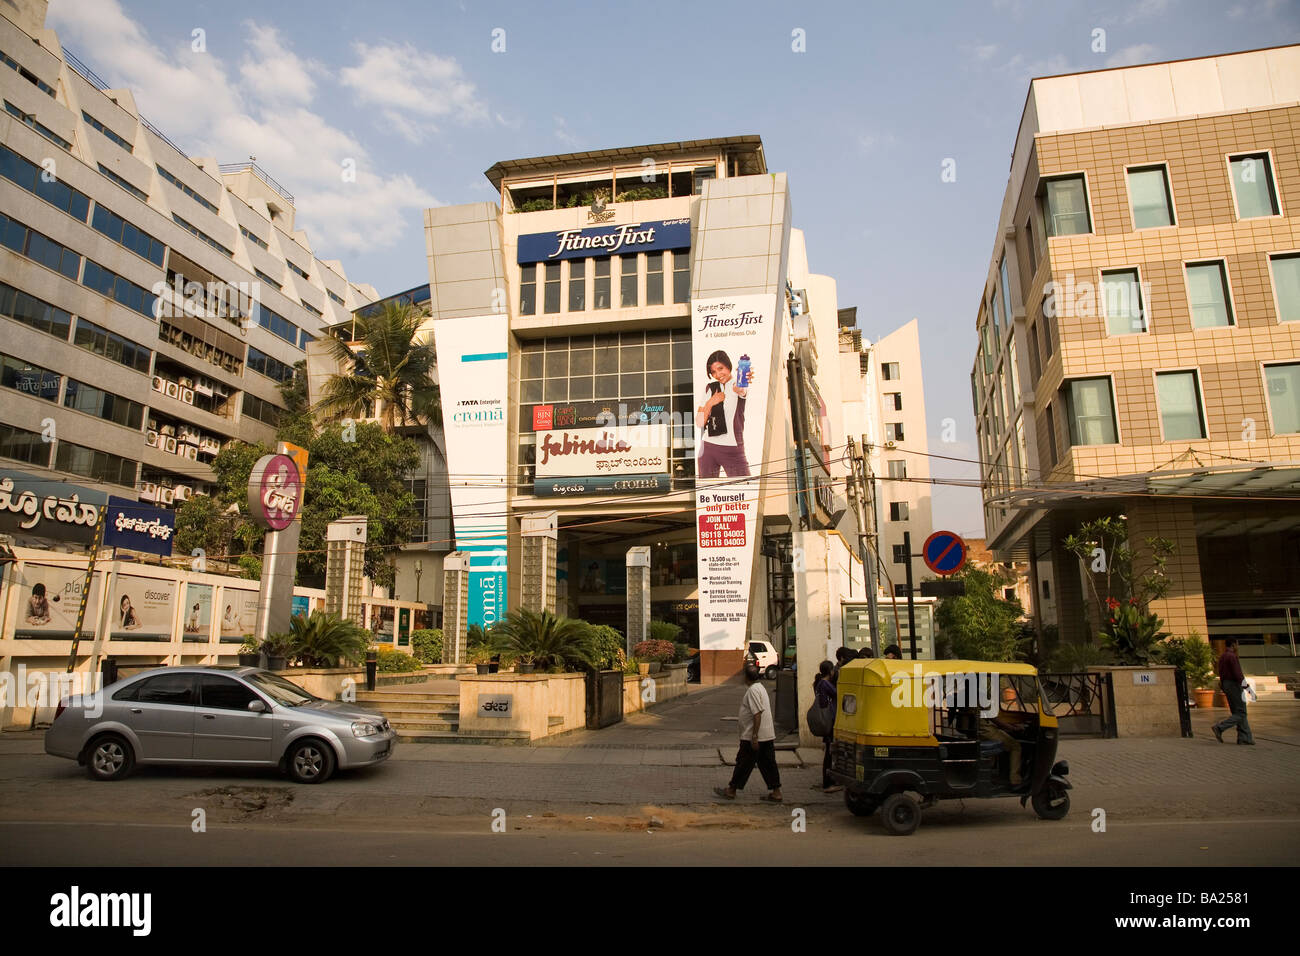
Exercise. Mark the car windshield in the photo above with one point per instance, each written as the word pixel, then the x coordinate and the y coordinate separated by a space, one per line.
pixel 283 692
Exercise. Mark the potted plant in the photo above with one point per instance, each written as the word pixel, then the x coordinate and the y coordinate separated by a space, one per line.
pixel 481 657
pixel 250 654
pixel 277 648
pixel 1195 659
pixel 526 662
pixel 657 653
pixel 642 667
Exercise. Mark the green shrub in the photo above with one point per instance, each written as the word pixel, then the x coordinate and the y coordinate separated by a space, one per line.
pixel 661 651
pixel 665 631
pixel 426 645
pixel 552 641
pixel 1191 655
pixel 681 653
pixel 1072 658
pixel 326 640
pixel 606 647
pixel 396 662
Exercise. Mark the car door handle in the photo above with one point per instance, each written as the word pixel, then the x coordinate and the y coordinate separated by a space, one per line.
pixel 209 716
pixel 137 710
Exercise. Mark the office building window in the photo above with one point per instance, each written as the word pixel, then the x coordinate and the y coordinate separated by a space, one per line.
pixel 296 271
pixel 1051 436
pixel 123 184
pixel 654 278
pixel 22 445
pixel 1066 202
pixel 900 554
pixel 26 74
pixel 267 279
pixel 266 365
pixel 37 313
pixel 1286 281
pixel 335 296
pixel 195 230
pixel 1032 245
pixel 105 405
pixel 1005 287
pixel 276 324
pixel 627 282
pixel 898 511
pixel 1284 397
pixel 602 291
pixel 253 237
pixel 897 468
pixel 1148 192
pixel 551 290
pixel 889 372
pixel 1035 362
pixel 112 346
pixel 577 285
pixel 528 289
pixel 1207 288
pixel 1178 395
pixel 96 124
pixel 260 409
pixel 95 465
pixel 1121 301
pixel 123 290
pixel 29 119
pixel 189 192
pixel 39 248
pixel 56 192
pixel 1047 332
pixel 29 379
pixel 894 431
pixel 1252 183
pixel 1091 412
pixel 314 311
pixel 894 401
pixel 681 276
pixel 419 489
pixel 128 235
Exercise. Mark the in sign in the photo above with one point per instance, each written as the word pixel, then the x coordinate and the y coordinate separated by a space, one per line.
pixel 944 552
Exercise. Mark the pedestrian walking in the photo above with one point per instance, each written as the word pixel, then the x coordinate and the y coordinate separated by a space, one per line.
pixel 842 656
pixel 757 741
pixel 825 693
pixel 1231 677
pixel 893 653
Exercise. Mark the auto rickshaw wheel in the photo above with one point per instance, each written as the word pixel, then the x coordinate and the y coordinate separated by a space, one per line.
pixel 1052 802
pixel 860 804
pixel 901 814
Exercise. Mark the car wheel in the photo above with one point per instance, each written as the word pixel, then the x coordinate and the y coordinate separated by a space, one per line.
pixel 901 814
pixel 1052 802
pixel 860 804
pixel 770 673
pixel 310 760
pixel 109 757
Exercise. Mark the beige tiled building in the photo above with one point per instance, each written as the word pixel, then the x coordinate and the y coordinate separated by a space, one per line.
pixel 1139 339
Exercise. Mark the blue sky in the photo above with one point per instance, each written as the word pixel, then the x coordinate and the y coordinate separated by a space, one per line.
pixel 861 120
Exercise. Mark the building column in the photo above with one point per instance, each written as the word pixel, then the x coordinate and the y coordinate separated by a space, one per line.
pixel 1074 606
pixel 1183 606
pixel 638 597
pixel 455 607
pixel 539 544
pixel 345 547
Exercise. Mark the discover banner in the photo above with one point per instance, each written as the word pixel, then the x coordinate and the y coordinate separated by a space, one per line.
pixel 731 343
pixel 472 375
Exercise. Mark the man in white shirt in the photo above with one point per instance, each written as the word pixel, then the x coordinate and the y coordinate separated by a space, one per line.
pixel 757 741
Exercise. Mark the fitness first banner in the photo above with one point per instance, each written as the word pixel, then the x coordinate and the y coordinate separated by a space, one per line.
pixel 472 376
pixel 731 343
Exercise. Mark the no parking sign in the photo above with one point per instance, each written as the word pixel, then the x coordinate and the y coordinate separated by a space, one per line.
pixel 944 552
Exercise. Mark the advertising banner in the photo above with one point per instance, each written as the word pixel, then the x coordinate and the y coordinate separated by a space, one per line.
pixel 607 485
pixel 472 374
pixel 47 508
pixel 49 599
pixel 139 527
pixel 583 452
pixel 238 614
pixel 197 616
pixel 731 343
pixel 143 609
pixel 602 414
pixel 626 239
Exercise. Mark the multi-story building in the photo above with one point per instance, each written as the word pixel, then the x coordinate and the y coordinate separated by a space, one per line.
pixel 151 303
pixel 578 290
pixel 1139 340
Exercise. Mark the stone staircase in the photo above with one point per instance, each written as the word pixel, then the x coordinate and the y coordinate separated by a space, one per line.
pixel 1276 687
pixel 419 713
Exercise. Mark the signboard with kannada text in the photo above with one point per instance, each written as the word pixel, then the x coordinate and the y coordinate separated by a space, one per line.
pixel 138 527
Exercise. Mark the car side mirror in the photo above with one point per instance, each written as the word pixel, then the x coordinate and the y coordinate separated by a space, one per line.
pixel 257 706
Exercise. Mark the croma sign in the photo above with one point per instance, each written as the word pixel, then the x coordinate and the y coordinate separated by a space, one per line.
pixel 605 241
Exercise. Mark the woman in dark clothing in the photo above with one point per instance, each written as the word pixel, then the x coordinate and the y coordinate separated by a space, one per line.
pixel 824 690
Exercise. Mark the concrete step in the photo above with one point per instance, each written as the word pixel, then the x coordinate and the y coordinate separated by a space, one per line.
pixel 409 727
pixel 385 697
pixel 498 737
pixel 409 712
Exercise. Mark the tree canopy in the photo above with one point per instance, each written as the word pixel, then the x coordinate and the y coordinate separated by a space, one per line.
pixel 981 624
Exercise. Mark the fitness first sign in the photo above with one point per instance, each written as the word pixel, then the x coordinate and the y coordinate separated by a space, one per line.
pixel 626 239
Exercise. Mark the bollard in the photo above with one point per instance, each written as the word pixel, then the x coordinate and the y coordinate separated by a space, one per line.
pixel 109 670
pixel 372 669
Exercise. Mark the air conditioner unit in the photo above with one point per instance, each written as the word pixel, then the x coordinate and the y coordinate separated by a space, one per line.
pixel 185 382
pixel 210 446
pixel 159 384
pixel 187 396
pixel 203 387
pixel 173 390
pixel 151 438
pixel 183 492
pixel 888 444
pixel 149 491
pixel 169 445
pixel 166 495
pixel 167 430
pixel 191 452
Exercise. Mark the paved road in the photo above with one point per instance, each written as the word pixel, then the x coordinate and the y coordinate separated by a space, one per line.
pixel 1173 801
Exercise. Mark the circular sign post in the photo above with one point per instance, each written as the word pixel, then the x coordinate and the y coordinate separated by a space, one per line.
pixel 944 552
pixel 275 492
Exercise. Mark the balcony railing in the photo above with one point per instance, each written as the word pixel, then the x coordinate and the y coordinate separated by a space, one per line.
pixel 261 174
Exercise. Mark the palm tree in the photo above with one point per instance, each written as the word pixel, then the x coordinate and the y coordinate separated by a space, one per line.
pixel 544 638
pixel 325 640
pixel 389 370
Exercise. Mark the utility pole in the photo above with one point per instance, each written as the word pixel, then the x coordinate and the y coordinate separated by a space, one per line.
pixel 858 485
pixel 911 596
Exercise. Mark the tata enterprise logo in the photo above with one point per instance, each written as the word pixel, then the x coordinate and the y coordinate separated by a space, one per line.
pixel 479 411
pixel 631 234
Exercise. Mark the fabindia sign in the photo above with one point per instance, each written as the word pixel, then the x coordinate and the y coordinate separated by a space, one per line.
pixel 605 241
pixel 472 370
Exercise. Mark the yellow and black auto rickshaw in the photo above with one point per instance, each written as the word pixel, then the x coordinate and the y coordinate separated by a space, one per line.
pixel 938 730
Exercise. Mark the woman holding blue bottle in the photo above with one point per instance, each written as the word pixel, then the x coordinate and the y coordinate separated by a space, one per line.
pixel 720 419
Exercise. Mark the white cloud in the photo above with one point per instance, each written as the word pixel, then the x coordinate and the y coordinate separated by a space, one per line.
pixel 413 88
pixel 1132 55
pixel 263 108
pixel 563 133
pixel 869 142
pixel 985 51
pixel 1147 9
pixel 1262 9
pixel 1022 69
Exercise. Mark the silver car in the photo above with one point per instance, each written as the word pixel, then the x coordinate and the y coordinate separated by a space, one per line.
pixel 233 716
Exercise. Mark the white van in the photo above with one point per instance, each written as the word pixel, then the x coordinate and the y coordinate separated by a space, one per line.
pixel 765 656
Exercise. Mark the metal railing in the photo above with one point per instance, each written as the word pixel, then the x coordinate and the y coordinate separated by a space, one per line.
pixel 261 174
pixel 1082 703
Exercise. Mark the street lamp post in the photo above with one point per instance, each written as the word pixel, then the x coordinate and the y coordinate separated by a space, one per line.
pixel 419 569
